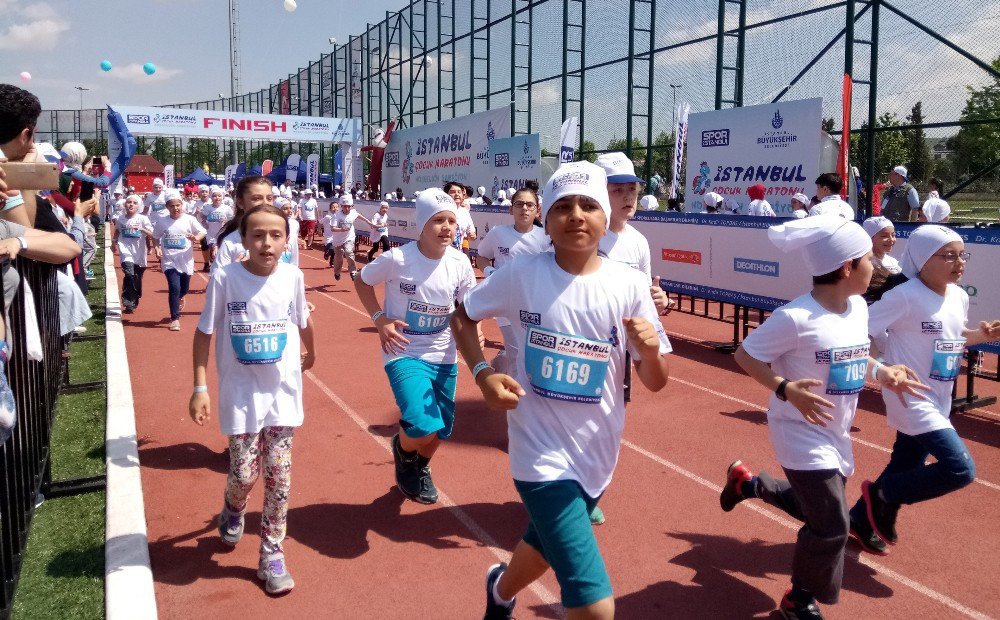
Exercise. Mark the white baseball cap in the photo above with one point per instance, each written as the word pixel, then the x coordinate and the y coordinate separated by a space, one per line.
pixel 618 168
pixel 172 194
pixel 346 199
pixel 578 178
pixel 203 188
pixel 649 202
pixel 307 192
pixel 901 171
pixel 157 182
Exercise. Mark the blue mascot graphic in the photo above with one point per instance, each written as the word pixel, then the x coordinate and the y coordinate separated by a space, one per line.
pixel 704 179
pixel 408 163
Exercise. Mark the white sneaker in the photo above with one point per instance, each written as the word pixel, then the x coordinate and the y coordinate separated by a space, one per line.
pixel 273 571
pixel 79 329
pixel 175 326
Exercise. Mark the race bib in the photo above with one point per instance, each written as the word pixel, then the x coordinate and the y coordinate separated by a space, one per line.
pixel 216 216
pixel 131 233
pixel 175 242
pixel 564 367
pixel 848 366
pixel 947 359
pixel 258 342
pixel 159 206
pixel 424 318
pixel 382 230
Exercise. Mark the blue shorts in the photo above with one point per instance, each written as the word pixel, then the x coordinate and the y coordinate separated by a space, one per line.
pixel 560 529
pixel 425 395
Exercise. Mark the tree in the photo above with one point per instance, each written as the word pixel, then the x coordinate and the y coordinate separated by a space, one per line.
pixel 828 124
pixel 978 146
pixel 587 152
pixel 890 147
pixel 164 151
pixel 920 165
pixel 201 151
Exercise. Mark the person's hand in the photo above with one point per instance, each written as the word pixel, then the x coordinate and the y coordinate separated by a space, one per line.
pixel 9 248
pixel 308 359
pixel 661 300
pixel 200 408
pixel 809 404
pixel 499 390
pixel 642 334
pixel 901 380
pixel 990 330
pixel 106 163
pixel 390 333
pixel 311 307
pixel 86 208
pixel 3 182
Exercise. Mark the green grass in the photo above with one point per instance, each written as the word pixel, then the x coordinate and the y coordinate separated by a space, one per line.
pixel 974 210
pixel 63 571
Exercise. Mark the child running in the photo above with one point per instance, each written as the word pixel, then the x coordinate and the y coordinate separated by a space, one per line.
pixel 176 233
pixel 342 236
pixel 380 231
pixel 131 231
pixel 922 324
pixel 257 308
pixel 423 280
pixel 577 315
pixel 819 339
pixel 250 192
pixel 216 214
pixel 291 253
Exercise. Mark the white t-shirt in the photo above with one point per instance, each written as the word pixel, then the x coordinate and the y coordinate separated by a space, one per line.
pixel 191 207
pixel 326 223
pixel 888 263
pixel 833 205
pixel 422 292
pixel 230 250
pixel 308 209
pixel 178 252
pixel 569 424
pixel 915 326
pixel 760 208
pixel 381 223
pixel 256 320
pixel 215 219
pixel 800 213
pixel 629 247
pixel 503 243
pixel 803 340
pixel 342 220
pixel 131 238
pixel 291 253
pixel 155 204
pixel 465 226
pixel 199 210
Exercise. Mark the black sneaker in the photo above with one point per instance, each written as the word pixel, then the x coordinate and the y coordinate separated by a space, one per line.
pixel 791 610
pixel 353 275
pixel 881 515
pixel 336 277
pixel 128 309
pixel 428 492
pixel 410 478
pixel 494 610
pixel 732 493
pixel 870 541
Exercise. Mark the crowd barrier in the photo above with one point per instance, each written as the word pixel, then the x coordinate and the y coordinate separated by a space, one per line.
pixel 26 466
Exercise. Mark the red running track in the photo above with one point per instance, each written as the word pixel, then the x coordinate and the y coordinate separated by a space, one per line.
pixel 358 550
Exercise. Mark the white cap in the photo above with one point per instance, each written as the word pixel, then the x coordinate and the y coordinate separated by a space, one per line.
pixel 172 194
pixel 119 192
pixel 936 209
pixel 388 196
pixel 712 200
pixel 430 202
pixel 307 192
pixel 280 202
pixel 383 204
pixel 501 194
pixel 874 225
pixel 157 182
pixel 826 241
pixel 481 190
pixel 618 168
pixel 649 202
pixel 922 243
pixel 346 199
pixel 802 199
pixel 203 188
pixel 217 191
pixel 901 171
pixel 577 178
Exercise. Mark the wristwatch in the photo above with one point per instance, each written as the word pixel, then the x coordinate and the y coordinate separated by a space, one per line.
pixel 780 390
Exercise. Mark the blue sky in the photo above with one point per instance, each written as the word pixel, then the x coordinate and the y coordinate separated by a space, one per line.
pixel 62 43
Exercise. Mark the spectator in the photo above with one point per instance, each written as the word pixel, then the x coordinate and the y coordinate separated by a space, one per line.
pixel 19 112
pixel 828 188
pixel 649 203
pixel 713 202
pixel 800 206
pixel 900 202
pixel 655 184
pixel 758 206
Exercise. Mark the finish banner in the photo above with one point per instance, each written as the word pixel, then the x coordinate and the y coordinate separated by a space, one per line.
pixel 452 150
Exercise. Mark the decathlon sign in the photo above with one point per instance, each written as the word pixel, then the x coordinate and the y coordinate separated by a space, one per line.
pixel 236 125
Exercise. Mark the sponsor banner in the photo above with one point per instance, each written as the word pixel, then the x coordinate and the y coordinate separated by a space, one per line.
pixel 567 139
pixel 452 150
pixel 236 125
pixel 514 162
pixel 312 170
pixel 777 145
pixel 230 175
pixel 292 167
pixel 168 175
pixel 682 126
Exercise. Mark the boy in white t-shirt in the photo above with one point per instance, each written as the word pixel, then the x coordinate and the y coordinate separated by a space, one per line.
pixel 258 311
pixel 199 208
pixel 922 324
pixel 309 214
pixel 131 230
pixel 326 223
pixel 380 230
pixel 577 315
pixel 819 339
pixel 424 279
pixel 215 215
pixel 828 188
pixel 175 235
pixel 343 236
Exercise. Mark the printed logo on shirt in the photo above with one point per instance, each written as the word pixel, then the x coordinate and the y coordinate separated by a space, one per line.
pixel 407 289
pixel 931 327
pixel 503 251
pixel 530 318
pixel 236 307
pixel 823 357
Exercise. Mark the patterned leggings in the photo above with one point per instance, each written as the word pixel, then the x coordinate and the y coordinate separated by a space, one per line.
pixel 273 446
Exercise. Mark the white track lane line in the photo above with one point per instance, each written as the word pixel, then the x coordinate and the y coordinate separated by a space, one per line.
pixel 543 593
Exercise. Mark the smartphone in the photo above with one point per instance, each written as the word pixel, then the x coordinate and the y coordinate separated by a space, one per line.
pixel 86 190
pixel 33 175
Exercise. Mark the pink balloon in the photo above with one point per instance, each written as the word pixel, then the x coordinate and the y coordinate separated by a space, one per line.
pixel 25 76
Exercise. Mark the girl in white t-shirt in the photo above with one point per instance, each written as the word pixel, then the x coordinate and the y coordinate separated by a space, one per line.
pixel 176 234
pixel 818 340
pixel 131 231
pixel 291 253
pixel 922 324
pixel 380 231
pixel 250 192
pixel 577 315
pixel 423 279
pixel 257 310
pixel 887 270
pixel 216 214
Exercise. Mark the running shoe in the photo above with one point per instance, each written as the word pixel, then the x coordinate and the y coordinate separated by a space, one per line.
pixel 230 526
pixel 428 492
pixel 732 492
pixel 597 516
pixel 354 274
pixel 791 610
pixel 863 532
pixel 175 326
pixel 274 573
pixel 336 276
pixel 881 515
pixel 409 477
pixel 494 610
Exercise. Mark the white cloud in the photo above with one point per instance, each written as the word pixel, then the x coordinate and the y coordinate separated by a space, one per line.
pixel 38 35
pixel 38 11
pixel 134 73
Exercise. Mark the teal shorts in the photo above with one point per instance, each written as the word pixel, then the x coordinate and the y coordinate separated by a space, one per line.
pixel 425 395
pixel 559 528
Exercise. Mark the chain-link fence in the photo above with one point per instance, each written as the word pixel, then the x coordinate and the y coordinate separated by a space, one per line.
pixel 926 81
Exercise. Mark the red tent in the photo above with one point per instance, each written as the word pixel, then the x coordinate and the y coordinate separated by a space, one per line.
pixel 141 171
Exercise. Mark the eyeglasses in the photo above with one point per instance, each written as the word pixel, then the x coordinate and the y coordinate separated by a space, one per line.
pixel 951 257
pixel 524 204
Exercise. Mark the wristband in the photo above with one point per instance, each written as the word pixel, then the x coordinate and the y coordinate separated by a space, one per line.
pixel 200 389
pixel 377 315
pixel 23 242
pixel 780 390
pixel 480 367
pixel 874 371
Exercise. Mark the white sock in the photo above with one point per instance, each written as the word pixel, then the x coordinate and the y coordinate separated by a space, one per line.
pixel 497 598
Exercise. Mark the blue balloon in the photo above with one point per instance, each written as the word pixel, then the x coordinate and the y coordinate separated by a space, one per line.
pixel 106 65
pixel 149 68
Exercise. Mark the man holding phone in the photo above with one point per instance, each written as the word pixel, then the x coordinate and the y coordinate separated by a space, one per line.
pixel 19 112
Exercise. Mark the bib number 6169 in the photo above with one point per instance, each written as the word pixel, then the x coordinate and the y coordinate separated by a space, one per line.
pixel 563 371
